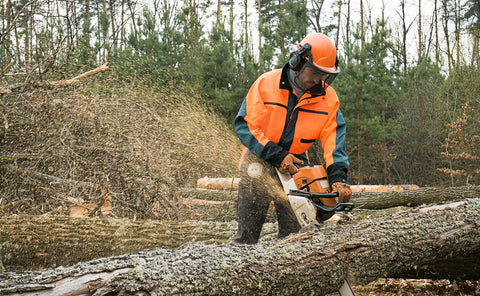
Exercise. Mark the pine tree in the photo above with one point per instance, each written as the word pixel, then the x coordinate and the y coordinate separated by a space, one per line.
pixel 284 24
pixel 365 88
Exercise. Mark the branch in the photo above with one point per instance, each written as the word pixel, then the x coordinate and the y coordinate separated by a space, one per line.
pixel 4 70
pixel 55 84
pixel 76 80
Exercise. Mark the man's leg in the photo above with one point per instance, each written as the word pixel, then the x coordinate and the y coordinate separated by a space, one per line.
pixel 252 210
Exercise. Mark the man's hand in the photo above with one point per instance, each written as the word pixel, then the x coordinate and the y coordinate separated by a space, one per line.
pixel 344 191
pixel 288 164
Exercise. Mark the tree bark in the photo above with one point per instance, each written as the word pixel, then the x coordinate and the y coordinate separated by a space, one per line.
pixel 313 262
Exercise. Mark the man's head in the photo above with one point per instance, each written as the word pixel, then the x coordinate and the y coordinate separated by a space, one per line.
pixel 315 63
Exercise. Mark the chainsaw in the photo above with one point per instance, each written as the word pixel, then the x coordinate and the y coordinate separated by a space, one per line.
pixel 310 195
pixel 313 201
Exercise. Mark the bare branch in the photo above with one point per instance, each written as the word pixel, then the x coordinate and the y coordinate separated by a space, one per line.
pixel 59 83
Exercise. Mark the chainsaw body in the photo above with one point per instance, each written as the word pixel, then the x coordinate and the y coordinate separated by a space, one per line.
pixel 310 195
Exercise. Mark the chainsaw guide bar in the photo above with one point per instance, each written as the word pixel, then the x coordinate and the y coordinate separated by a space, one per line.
pixel 310 207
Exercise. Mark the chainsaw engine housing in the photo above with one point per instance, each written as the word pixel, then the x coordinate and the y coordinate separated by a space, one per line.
pixel 310 195
pixel 314 179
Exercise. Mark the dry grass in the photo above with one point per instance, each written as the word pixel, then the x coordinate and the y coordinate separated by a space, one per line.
pixel 130 144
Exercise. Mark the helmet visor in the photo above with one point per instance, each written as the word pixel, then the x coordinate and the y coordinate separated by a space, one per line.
pixel 322 78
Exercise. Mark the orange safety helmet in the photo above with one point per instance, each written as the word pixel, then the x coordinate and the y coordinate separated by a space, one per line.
pixel 316 50
pixel 323 52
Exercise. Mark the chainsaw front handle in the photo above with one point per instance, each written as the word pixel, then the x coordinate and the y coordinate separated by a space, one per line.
pixel 314 194
pixel 315 198
pixel 341 207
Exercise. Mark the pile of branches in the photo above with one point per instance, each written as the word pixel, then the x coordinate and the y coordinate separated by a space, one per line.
pixel 105 142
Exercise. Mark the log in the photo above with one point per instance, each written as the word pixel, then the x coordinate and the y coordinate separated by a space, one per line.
pixel 413 198
pixel 383 188
pixel 32 242
pixel 373 200
pixel 218 183
pixel 232 184
pixel 315 262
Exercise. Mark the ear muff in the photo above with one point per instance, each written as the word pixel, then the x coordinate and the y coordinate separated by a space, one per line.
pixel 298 57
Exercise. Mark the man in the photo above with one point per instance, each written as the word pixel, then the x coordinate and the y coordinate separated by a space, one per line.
pixel 284 113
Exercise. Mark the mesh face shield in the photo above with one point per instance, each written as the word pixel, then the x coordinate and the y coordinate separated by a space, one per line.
pixel 326 79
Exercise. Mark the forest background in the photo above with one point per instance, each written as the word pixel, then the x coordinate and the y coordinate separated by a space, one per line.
pixel 409 91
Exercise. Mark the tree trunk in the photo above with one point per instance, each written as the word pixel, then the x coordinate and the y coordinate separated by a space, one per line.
pixel 404 36
pixel 420 45
pixel 232 19
pixel 245 6
pixel 362 28
pixel 437 45
pixel 313 262
pixel 219 12
pixel 347 31
pixel 33 242
pixel 338 22
pixel 447 37
pixel 114 29
pixel 417 197
pixel 391 196
pixel 281 26
pixel 259 12
pixel 457 29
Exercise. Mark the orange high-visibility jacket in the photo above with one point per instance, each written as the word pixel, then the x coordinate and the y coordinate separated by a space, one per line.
pixel 273 122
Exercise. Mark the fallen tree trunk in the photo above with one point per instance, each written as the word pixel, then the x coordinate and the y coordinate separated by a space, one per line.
pixel 413 198
pixel 230 184
pixel 32 242
pixel 374 200
pixel 310 263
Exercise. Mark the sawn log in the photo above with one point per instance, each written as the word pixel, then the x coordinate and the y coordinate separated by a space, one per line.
pixel 309 263
pixel 32 242
pixel 413 198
